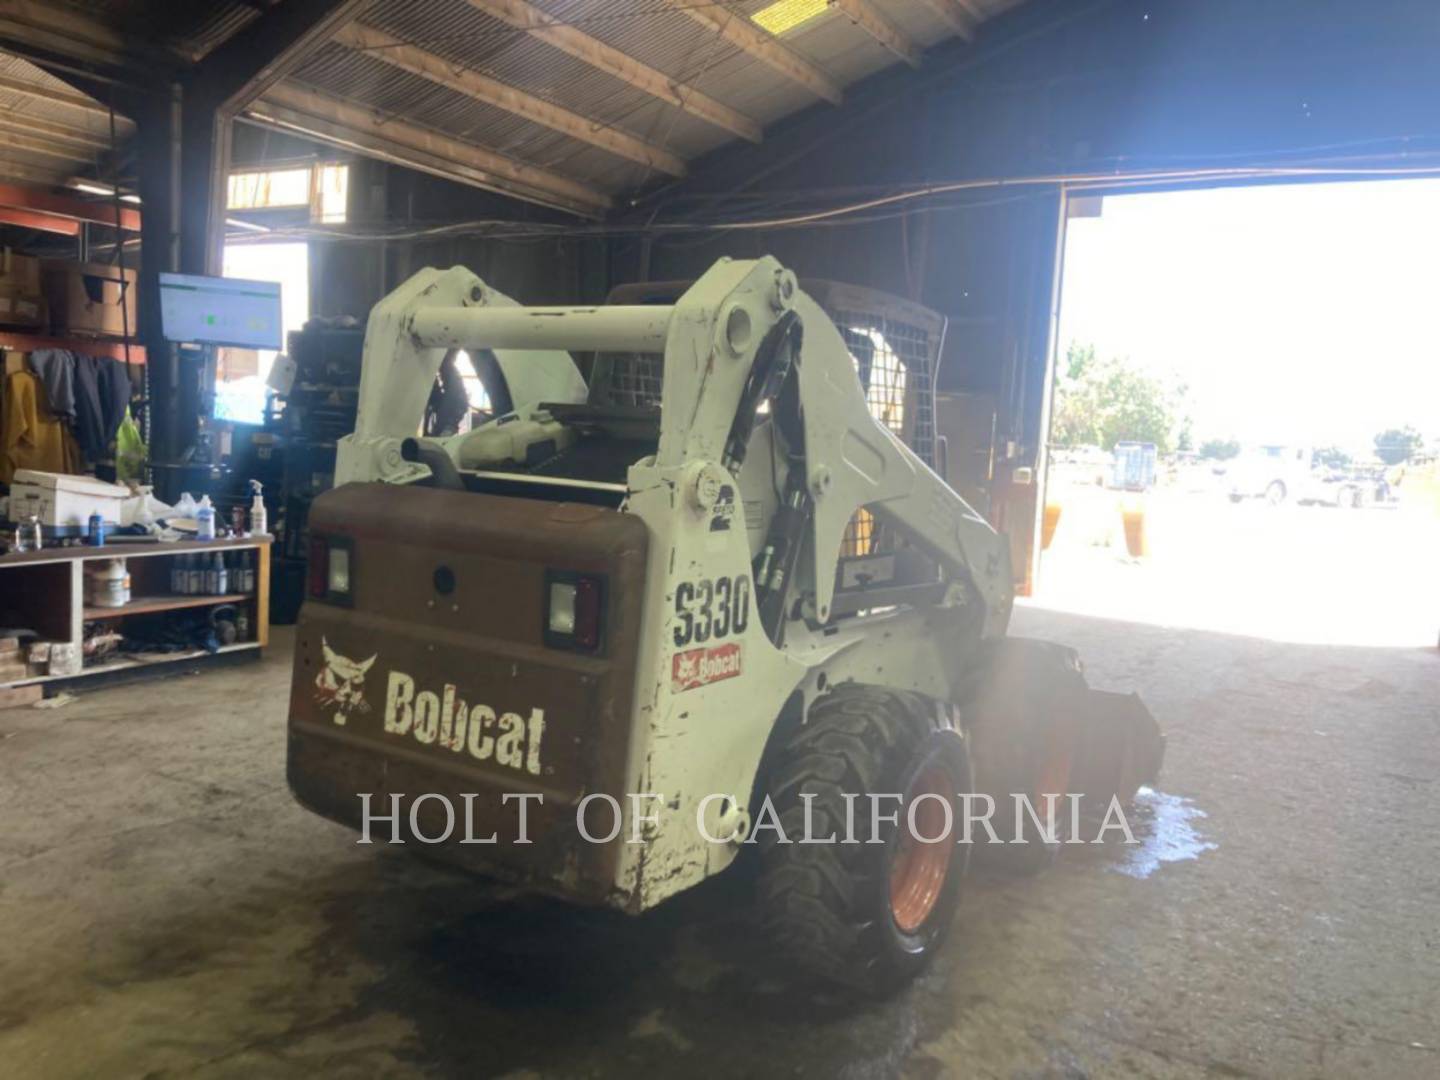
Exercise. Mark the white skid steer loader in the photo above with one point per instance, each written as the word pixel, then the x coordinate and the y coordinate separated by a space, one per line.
pixel 704 601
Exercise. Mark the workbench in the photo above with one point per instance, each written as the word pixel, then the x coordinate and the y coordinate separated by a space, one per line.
pixel 45 590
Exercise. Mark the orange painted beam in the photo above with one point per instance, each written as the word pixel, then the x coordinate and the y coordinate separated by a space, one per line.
pixel 15 197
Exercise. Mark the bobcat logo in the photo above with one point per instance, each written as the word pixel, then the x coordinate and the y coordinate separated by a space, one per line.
pixel 687 666
pixel 341 683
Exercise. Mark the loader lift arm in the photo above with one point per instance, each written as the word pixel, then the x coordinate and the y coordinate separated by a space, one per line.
pixel 711 339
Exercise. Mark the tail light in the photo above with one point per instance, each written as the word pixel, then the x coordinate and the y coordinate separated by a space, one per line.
pixel 328 569
pixel 318 566
pixel 574 610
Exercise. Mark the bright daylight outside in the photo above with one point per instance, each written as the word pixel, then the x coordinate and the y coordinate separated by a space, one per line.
pixel 1244 429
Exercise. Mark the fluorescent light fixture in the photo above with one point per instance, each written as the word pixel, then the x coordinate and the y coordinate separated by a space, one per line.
pixel 785 15
pixel 99 187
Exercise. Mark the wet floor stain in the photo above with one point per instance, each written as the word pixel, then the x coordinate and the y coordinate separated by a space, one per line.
pixel 1164 826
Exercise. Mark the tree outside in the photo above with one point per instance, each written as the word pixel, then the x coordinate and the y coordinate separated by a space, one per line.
pixel 1395 446
pixel 1103 401
pixel 1220 449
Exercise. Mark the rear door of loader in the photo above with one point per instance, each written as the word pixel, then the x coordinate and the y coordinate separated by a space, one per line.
pixel 428 664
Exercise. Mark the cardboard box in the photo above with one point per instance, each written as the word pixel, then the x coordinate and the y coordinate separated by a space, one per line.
pixel 62 501
pixel 86 298
pixel 21 301
pixel 66 658
pixel 23 309
pixel 19 272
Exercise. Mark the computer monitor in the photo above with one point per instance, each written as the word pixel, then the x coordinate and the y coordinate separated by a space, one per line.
pixel 196 310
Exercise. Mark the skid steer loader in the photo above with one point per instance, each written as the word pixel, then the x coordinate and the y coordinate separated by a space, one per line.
pixel 707 597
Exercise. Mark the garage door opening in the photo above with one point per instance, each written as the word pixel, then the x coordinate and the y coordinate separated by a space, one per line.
pixel 1244 430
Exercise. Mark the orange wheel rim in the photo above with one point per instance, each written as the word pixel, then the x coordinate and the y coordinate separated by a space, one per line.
pixel 918 869
pixel 1050 785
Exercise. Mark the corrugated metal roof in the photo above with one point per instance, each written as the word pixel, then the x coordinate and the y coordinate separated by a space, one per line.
pixel 46 132
pixel 656 33
pixel 691 57
pixel 190 27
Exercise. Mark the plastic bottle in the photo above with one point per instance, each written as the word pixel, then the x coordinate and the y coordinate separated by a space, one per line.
pixel 194 576
pixel 257 510
pixel 177 574
pixel 109 584
pixel 205 520
pixel 219 579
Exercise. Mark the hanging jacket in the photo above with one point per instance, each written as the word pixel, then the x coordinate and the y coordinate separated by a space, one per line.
pixel 56 369
pixel 31 436
pixel 102 394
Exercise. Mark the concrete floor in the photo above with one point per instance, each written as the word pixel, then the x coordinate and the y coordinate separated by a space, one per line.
pixel 165 909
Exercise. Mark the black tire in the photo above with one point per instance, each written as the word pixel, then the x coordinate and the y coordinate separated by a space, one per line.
pixel 827 908
pixel 1025 737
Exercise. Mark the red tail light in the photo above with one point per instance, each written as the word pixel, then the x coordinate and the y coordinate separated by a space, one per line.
pixel 587 613
pixel 318 567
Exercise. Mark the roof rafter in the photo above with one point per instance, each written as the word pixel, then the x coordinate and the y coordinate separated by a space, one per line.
pixel 763 46
pixel 34 125
pixel 43 31
pixel 343 123
pixel 46 147
pixel 865 15
pixel 270 49
pixel 473 84
pixel 626 68
pixel 961 17
pixel 57 96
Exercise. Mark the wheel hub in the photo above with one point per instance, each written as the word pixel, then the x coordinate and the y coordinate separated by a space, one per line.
pixel 918 869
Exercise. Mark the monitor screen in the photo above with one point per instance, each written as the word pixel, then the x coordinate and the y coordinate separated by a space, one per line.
pixel 220 311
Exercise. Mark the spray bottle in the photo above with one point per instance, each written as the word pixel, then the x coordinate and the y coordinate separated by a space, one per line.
pixel 257 511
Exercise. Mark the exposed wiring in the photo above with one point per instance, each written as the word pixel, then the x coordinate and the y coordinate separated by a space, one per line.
pixel 863 211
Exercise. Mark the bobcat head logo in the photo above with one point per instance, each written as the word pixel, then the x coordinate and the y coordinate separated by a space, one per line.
pixel 687 665
pixel 341 683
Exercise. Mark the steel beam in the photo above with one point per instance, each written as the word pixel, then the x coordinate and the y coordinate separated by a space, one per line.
pixel 234 75
pixel 22 198
pixel 270 49
pixel 30 219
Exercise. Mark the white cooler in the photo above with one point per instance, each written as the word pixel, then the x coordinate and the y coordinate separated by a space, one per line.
pixel 64 503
